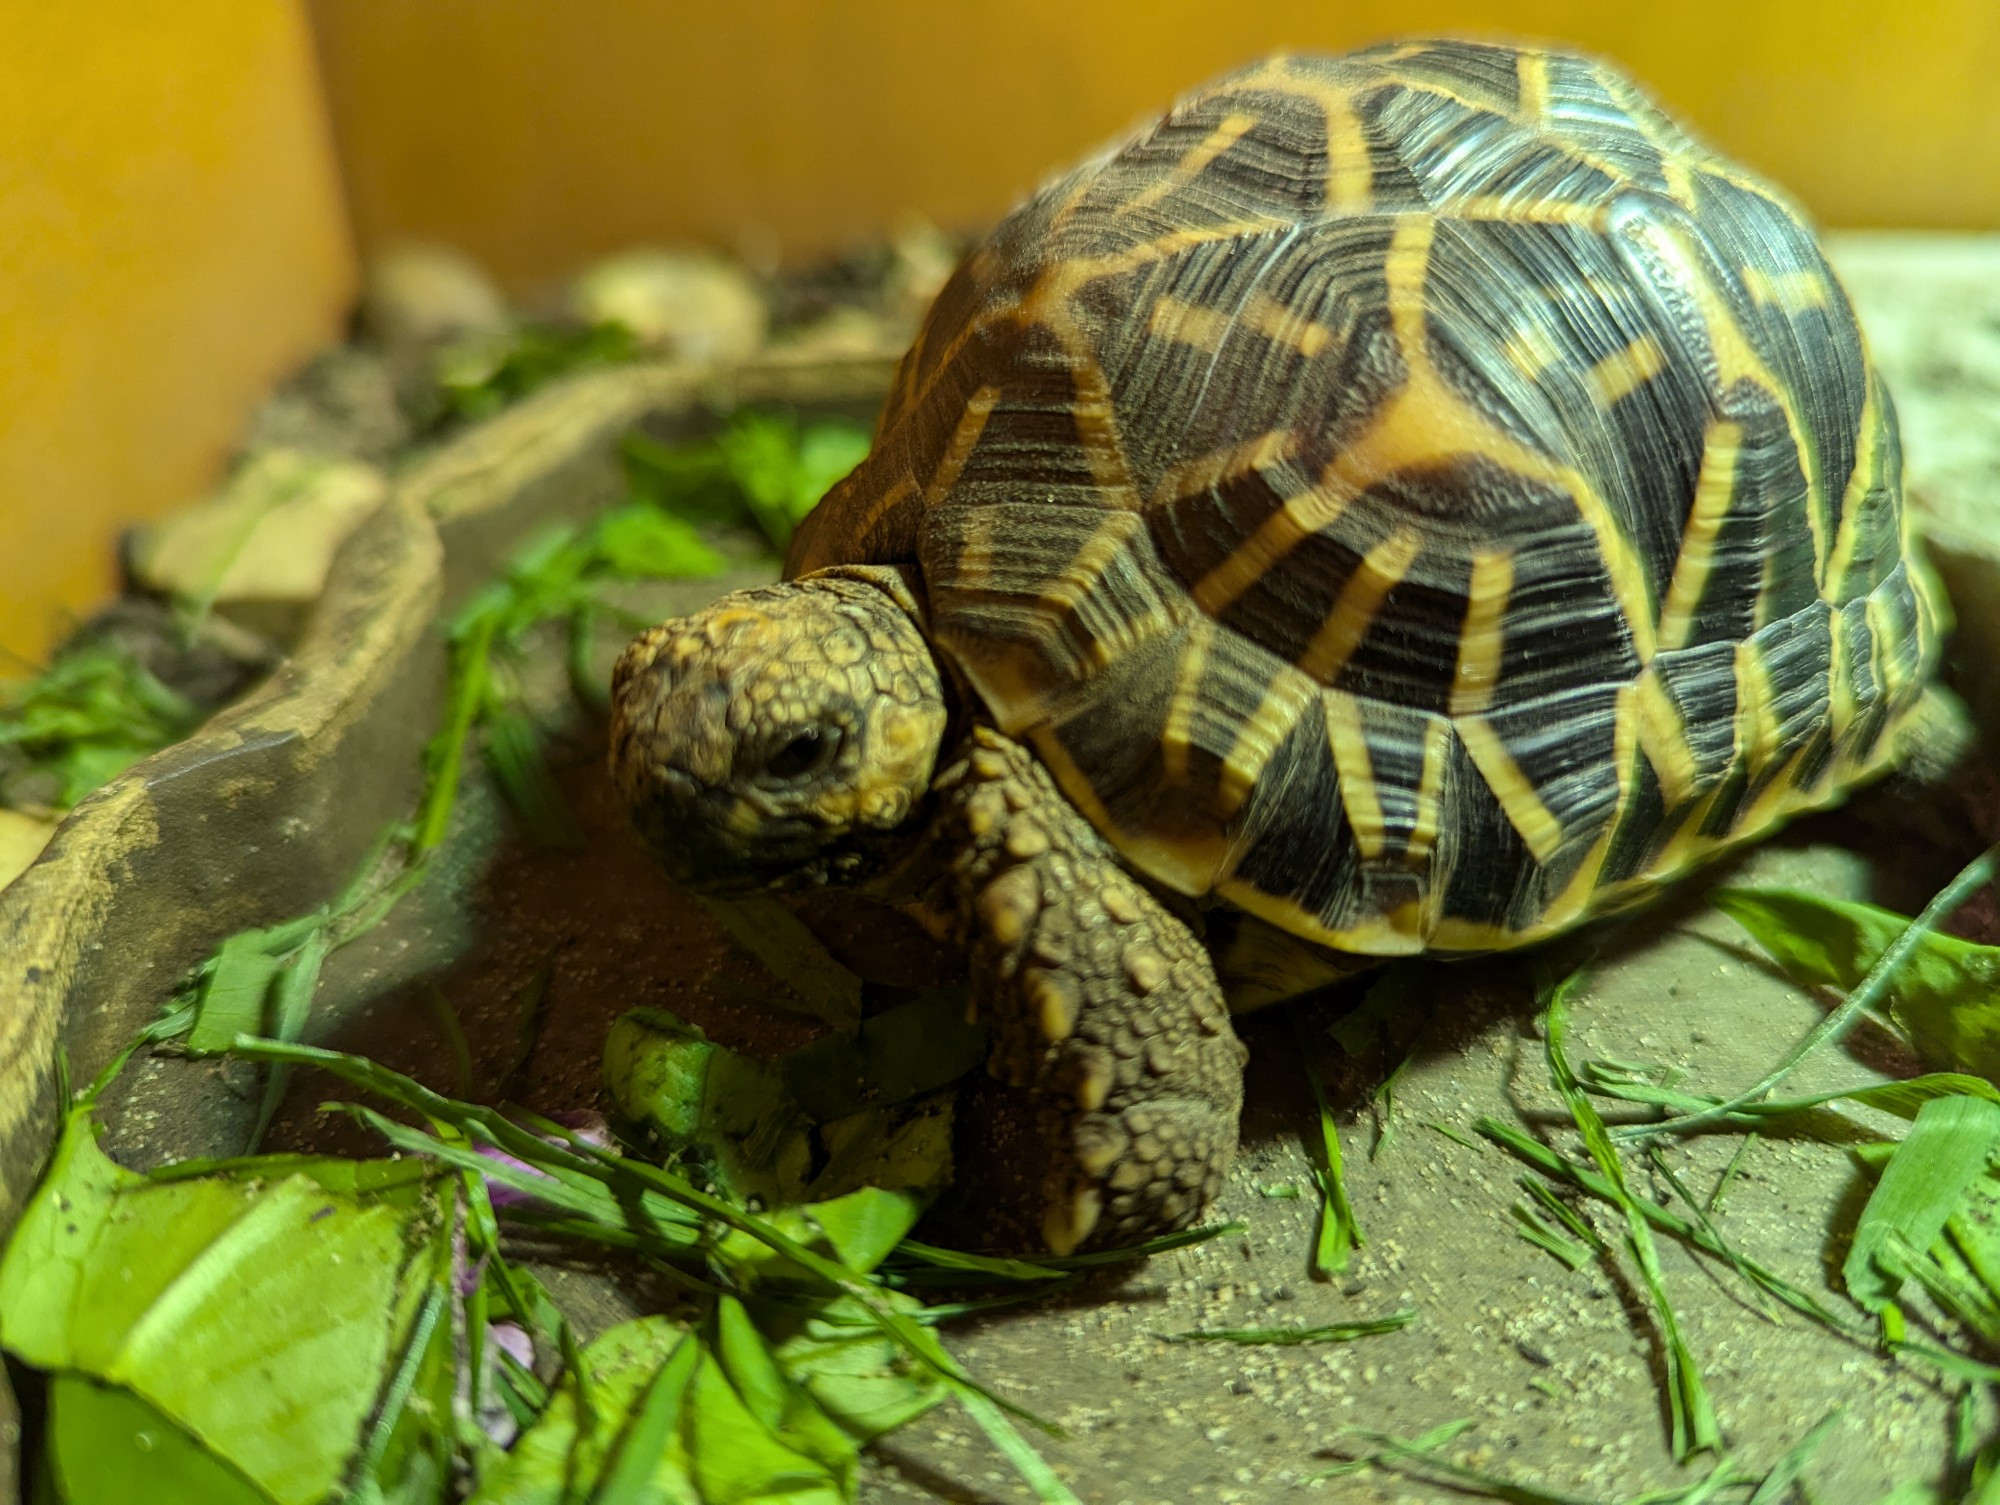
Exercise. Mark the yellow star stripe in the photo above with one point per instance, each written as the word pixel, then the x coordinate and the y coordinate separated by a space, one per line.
pixel 1619 376
pixel 1234 127
pixel 1714 490
pixel 1531 69
pixel 1357 773
pixel 1378 573
pixel 1516 793
pixel 1483 635
pixel 1349 177
pixel 1424 422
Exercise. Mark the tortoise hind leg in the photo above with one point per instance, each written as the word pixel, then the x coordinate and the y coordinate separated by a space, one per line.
pixel 1102 1005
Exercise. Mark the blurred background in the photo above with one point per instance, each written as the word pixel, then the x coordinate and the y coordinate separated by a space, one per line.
pixel 190 187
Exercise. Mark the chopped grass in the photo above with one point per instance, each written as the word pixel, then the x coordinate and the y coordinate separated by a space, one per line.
pixel 1291 1337
pixel 1537 1231
pixel 1417 1459
pixel 1870 994
pixel 1339 1232
pixel 1545 1160
pixel 1695 1429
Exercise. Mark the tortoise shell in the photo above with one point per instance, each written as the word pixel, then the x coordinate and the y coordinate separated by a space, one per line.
pixel 1421 497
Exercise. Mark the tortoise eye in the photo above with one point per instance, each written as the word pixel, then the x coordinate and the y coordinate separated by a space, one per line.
pixel 800 756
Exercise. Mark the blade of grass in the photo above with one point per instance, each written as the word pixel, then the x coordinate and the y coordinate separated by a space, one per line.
pixel 1949 1144
pixel 1775 1487
pixel 626 1181
pixel 1549 1163
pixel 1030 1465
pixel 1339 1234
pixel 291 1005
pixel 1332 1332
pixel 628 1478
pixel 1692 1413
pixel 1537 1231
pixel 1870 995
pixel 1702 1221
pixel 1057 1267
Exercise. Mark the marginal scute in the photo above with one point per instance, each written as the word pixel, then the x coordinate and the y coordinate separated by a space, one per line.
pixel 1421 497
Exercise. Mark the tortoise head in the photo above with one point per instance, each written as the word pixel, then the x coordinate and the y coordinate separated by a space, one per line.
pixel 780 737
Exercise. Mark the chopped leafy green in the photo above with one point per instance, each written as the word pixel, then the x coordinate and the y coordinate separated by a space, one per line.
pixel 479 376
pixel 88 716
pixel 743 1121
pixel 257 1316
pixel 108 1445
pixel 765 466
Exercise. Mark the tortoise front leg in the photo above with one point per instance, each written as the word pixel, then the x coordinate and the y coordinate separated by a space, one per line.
pixel 1101 1004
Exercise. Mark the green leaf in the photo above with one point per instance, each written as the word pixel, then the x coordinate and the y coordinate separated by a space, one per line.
pixel 259 1317
pixel 482 374
pixel 235 987
pixel 90 715
pixel 863 1381
pixel 643 542
pixel 630 1373
pixel 859 1230
pixel 765 929
pixel 738 1458
pixel 1949 1145
pixel 783 473
pixel 1946 998
pixel 897 1054
pixel 633 1477
pixel 111 1448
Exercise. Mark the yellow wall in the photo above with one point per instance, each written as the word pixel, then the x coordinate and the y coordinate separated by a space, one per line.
pixel 537 132
pixel 171 240
pixel 171 228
